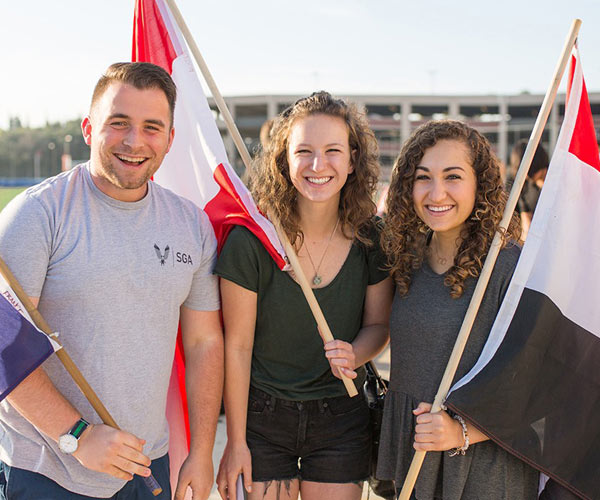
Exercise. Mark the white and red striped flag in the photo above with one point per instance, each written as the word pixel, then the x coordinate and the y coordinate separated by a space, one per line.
pixel 536 388
pixel 196 168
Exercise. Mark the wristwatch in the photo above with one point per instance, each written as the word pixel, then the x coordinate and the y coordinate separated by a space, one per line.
pixel 68 442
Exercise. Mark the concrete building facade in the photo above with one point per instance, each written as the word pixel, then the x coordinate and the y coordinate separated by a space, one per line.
pixel 503 119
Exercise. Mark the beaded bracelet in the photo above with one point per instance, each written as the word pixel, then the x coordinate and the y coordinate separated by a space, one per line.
pixel 461 450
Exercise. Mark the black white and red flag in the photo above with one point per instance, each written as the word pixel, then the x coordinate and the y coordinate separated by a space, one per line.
pixel 536 387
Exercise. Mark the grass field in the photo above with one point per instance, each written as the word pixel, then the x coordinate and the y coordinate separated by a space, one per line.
pixel 7 194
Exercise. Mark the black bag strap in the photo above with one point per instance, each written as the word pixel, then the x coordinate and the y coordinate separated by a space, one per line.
pixel 373 372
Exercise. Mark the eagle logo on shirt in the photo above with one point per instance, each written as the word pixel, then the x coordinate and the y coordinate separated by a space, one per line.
pixel 162 257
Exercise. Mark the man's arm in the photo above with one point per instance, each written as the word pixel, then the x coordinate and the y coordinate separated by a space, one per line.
pixel 203 346
pixel 101 448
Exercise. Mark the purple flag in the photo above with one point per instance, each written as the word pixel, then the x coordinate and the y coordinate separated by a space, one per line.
pixel 22 346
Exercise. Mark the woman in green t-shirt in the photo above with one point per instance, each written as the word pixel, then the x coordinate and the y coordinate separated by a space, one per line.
pixel 291 426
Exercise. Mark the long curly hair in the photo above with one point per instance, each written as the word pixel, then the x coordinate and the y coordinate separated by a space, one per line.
pixel 271 185
pixel 405 237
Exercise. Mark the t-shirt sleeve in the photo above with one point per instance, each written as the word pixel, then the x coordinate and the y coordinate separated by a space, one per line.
pixel 26 241
pixel 375 256
pixel 239 259
pixel 522 205
pixel 528 198
pixel 204 292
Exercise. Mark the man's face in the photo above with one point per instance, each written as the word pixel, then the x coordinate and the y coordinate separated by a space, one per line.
pixel 129 132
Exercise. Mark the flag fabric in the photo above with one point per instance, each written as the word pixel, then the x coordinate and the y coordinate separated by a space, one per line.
pixel 536 388
pixel 196 168
pixel 23 347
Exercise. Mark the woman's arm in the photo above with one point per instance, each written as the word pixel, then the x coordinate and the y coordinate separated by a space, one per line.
pixel 239 318
pixel 440 432
pixel 372 337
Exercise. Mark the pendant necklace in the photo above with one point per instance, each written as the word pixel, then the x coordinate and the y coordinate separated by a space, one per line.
pixel 317 278
pixel 440 260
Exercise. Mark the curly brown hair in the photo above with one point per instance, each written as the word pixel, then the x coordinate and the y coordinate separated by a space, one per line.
pixel 272 187
pixel 405 236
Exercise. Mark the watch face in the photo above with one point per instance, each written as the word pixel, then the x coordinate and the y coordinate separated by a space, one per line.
pixel 67 443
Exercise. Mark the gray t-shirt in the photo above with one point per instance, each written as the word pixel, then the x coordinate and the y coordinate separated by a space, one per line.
pixel 424 325
pixel 111 277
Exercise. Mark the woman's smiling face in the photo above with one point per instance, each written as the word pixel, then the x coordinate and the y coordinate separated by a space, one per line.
pixel 444 187
pixel 319 157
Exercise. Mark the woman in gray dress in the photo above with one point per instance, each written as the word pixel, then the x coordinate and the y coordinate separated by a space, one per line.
pixel 445 203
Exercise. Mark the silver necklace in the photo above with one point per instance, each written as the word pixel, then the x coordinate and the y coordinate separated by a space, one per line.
pixel 317 278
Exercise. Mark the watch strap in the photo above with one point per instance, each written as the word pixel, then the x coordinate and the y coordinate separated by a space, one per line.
pixel 78 428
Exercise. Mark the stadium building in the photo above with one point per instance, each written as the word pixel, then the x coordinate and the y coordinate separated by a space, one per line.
pixel 503 119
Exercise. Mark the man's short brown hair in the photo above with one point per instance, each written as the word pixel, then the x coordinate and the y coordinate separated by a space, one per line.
pixel 140 75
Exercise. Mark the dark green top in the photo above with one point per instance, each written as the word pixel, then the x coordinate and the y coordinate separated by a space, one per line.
pixel 288 360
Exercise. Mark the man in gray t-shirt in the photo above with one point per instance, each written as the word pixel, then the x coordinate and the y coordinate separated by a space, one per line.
pixel 113 262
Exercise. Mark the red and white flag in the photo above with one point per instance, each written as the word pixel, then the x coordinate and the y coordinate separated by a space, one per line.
pixel 196 168
pixel 536 387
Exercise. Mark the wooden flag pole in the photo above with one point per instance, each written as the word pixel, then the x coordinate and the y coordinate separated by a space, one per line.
pixel 70 366
pixel 67 362
pixel 324 330
pixel 241 147
pixel 465 330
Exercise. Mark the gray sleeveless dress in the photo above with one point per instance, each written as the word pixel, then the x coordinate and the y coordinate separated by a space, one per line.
pixel 424 326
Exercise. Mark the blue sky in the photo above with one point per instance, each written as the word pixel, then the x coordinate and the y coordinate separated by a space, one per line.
pixel 53 52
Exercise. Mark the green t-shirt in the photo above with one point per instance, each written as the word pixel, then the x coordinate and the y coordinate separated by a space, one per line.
pixel 288 359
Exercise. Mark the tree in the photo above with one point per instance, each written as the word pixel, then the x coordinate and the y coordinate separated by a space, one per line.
pixel 20 145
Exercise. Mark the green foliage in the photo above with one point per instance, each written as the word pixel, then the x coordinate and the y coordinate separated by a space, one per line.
pixel 19 146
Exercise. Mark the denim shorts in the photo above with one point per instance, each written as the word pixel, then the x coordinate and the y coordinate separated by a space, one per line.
pixel 323 440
